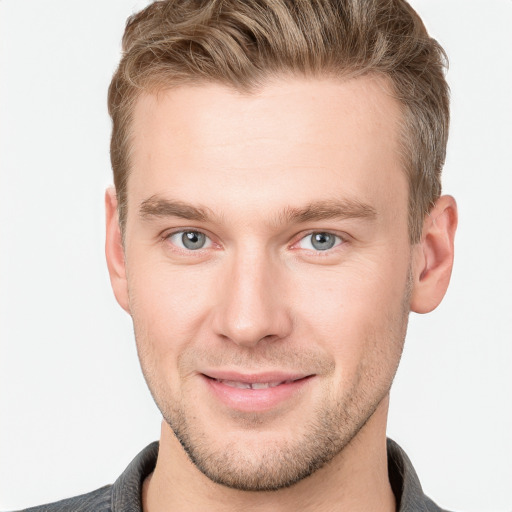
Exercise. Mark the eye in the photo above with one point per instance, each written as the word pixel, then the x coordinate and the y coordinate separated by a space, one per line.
pixel 319 241
pixel 190 240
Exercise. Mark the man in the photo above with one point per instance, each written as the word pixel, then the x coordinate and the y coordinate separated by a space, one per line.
pixel 276 215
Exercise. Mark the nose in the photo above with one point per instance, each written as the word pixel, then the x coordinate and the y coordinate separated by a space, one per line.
pixel 252 301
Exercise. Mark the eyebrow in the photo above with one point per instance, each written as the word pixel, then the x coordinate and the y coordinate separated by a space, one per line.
pixel 159 207
pixel 328 209
pixel 341 209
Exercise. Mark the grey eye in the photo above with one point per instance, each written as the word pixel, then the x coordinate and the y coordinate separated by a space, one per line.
pixel 190 240
pixel 193 240
pixel 320 241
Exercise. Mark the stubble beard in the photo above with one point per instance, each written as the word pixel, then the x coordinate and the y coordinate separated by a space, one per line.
pixel 284 462
pixel 278 464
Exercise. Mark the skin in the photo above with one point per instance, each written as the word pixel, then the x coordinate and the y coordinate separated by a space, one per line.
pixel 258 174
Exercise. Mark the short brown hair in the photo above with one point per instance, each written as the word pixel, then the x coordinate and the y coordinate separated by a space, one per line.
pixel 241 43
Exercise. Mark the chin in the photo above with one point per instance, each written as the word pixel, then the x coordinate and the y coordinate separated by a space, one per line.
pixel 268 458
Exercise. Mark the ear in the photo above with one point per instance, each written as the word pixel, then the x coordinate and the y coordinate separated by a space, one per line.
pixel 114 251
pixel 433 256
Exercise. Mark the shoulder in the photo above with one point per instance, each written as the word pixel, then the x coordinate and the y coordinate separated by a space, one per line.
pixel 124 494
pixel 95 501
pixel 405 483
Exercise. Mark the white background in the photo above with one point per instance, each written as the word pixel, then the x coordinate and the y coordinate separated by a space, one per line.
pixel 74 408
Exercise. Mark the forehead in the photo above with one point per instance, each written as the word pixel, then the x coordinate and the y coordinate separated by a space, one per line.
pixel 314 138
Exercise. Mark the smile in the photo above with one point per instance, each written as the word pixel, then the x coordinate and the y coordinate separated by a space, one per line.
pixel 253 385
pixel 255 393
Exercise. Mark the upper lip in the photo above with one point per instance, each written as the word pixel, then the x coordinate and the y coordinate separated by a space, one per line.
pixel 252 378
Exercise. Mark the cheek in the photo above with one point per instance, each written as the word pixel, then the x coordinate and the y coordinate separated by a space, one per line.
pixel 168 306
pixel 356 312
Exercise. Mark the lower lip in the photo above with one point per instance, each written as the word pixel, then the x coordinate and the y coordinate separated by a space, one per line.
pixel 256 400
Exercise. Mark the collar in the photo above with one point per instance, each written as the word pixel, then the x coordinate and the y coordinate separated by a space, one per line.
pixel 127 489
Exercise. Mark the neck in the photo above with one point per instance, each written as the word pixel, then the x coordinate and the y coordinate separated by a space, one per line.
pixel 356 480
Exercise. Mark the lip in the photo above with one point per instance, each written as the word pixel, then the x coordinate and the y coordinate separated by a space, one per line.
pixel 228 388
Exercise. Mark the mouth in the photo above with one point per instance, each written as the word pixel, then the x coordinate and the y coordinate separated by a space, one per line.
pixel 255 392
pixel 254 385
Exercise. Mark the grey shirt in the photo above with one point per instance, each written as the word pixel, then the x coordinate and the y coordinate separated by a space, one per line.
pixel 125 494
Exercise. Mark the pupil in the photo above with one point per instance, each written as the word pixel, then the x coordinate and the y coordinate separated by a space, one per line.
pixel 322 241
pixel 193 240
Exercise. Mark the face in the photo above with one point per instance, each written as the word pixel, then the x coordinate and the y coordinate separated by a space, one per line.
pixel 268 269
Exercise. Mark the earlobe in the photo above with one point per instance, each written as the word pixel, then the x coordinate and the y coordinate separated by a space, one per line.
pixel 114 250
pixel 433 256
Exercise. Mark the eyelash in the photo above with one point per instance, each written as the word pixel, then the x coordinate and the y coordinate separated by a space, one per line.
pixel 339 241
pixel 168 236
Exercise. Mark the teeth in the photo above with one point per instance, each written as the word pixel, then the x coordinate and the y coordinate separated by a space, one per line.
pixel 234 384
pixel 254 385
pixel 261 385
